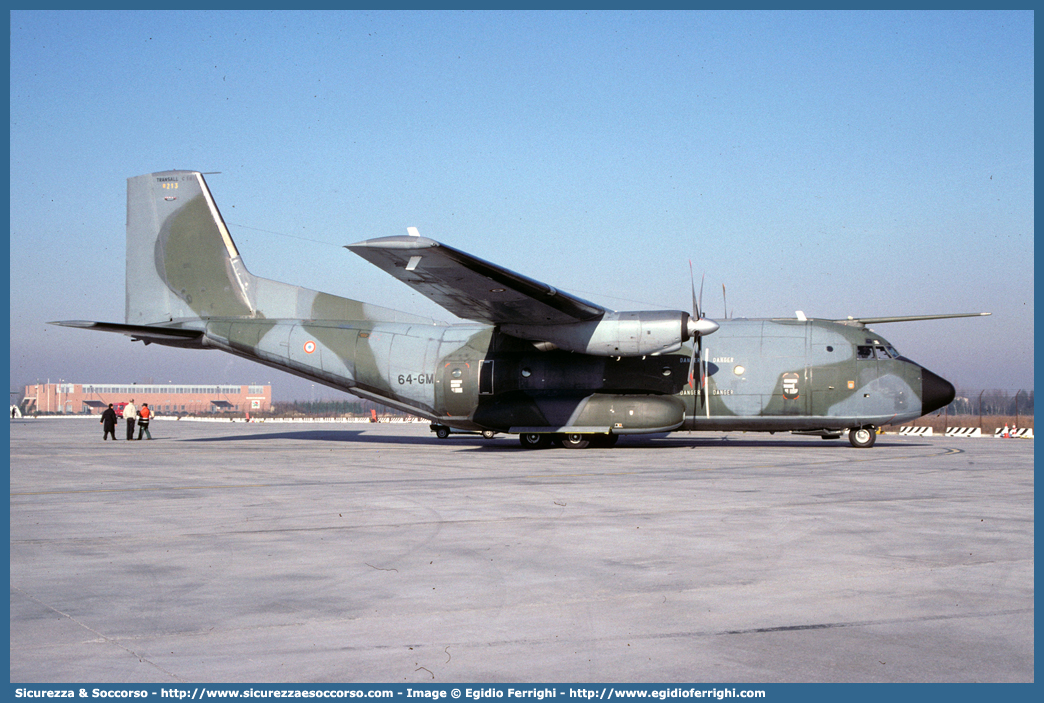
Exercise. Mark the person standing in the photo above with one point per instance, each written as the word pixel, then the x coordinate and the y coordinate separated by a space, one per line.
pixel 130 413
pixel 143 420
pixel 108 421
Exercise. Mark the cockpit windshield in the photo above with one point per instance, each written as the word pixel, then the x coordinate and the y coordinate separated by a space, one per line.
pixel 877 351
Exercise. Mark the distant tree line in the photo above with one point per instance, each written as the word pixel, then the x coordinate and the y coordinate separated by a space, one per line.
pixel 991 401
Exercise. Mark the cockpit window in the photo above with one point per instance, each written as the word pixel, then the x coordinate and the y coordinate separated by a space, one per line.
pixel 881 352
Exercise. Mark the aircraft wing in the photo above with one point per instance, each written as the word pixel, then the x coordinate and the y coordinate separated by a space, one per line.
pixel 472 288
pixel 169 336
pixel 864 321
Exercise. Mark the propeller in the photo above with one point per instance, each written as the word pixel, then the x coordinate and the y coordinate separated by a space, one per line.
pixel 690 328
pixel 696 327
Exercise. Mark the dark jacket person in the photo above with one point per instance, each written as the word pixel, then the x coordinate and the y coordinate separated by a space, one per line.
pixel 108 421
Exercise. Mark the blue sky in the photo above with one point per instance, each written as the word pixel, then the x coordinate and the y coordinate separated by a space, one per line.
pixel 839 163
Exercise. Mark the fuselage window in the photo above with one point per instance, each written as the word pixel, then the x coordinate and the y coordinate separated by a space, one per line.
pixel 863 353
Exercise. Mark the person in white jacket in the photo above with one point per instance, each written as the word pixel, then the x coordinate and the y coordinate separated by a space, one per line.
pixel 130 414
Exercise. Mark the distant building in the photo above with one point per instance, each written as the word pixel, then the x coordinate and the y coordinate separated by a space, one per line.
pixel 194 399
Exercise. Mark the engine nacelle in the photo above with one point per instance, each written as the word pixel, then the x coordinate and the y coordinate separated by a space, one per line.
pixel 615 334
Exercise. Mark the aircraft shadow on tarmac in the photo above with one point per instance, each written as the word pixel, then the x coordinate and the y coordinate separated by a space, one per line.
pixel 510 443
pixel 309 435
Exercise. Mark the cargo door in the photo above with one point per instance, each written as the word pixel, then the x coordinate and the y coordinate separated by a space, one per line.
pixel 458 387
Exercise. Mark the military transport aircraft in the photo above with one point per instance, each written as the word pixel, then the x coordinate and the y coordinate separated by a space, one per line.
pixel 540 363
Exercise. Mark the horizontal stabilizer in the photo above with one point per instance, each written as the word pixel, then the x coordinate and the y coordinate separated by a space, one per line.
pixel 169 336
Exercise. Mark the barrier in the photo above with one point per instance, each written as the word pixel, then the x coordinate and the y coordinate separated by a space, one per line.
pixel 1024 433
pixel 963 432
pixel 915 431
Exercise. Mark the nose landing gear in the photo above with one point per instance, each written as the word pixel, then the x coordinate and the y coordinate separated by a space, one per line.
pixel 862 437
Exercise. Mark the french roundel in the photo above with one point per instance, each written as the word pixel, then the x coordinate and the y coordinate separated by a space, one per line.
pixel 309 347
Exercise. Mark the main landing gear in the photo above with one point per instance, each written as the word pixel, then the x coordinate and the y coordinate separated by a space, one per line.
pixel 862 437
pixel 534 440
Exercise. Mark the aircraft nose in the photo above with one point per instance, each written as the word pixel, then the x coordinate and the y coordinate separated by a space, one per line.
pixel 936 391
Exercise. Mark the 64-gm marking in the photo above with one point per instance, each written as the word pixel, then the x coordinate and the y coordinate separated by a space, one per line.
pixel 422 378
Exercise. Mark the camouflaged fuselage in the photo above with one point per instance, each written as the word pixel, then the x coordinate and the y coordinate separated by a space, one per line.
pixel 761 375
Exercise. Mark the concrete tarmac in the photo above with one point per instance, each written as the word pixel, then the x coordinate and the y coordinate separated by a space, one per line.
pixel 378 553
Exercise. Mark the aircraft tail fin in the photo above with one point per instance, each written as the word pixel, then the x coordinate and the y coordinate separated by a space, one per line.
pixel 182 264
pixel 181 260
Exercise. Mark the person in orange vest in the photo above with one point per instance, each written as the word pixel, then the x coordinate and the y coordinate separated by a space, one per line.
pixel 143 420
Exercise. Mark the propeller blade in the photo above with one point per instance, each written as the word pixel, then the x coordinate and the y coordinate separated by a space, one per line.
pixel 695 303
pixel 703 383
pixel 697 350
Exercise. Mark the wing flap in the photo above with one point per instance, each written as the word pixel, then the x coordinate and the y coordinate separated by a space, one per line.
pixel 472 288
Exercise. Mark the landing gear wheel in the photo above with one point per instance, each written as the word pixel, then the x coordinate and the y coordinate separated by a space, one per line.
pixel 442 432
pixel 862 437
pixel 489 434
pixel 533 440
pixel 576 441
